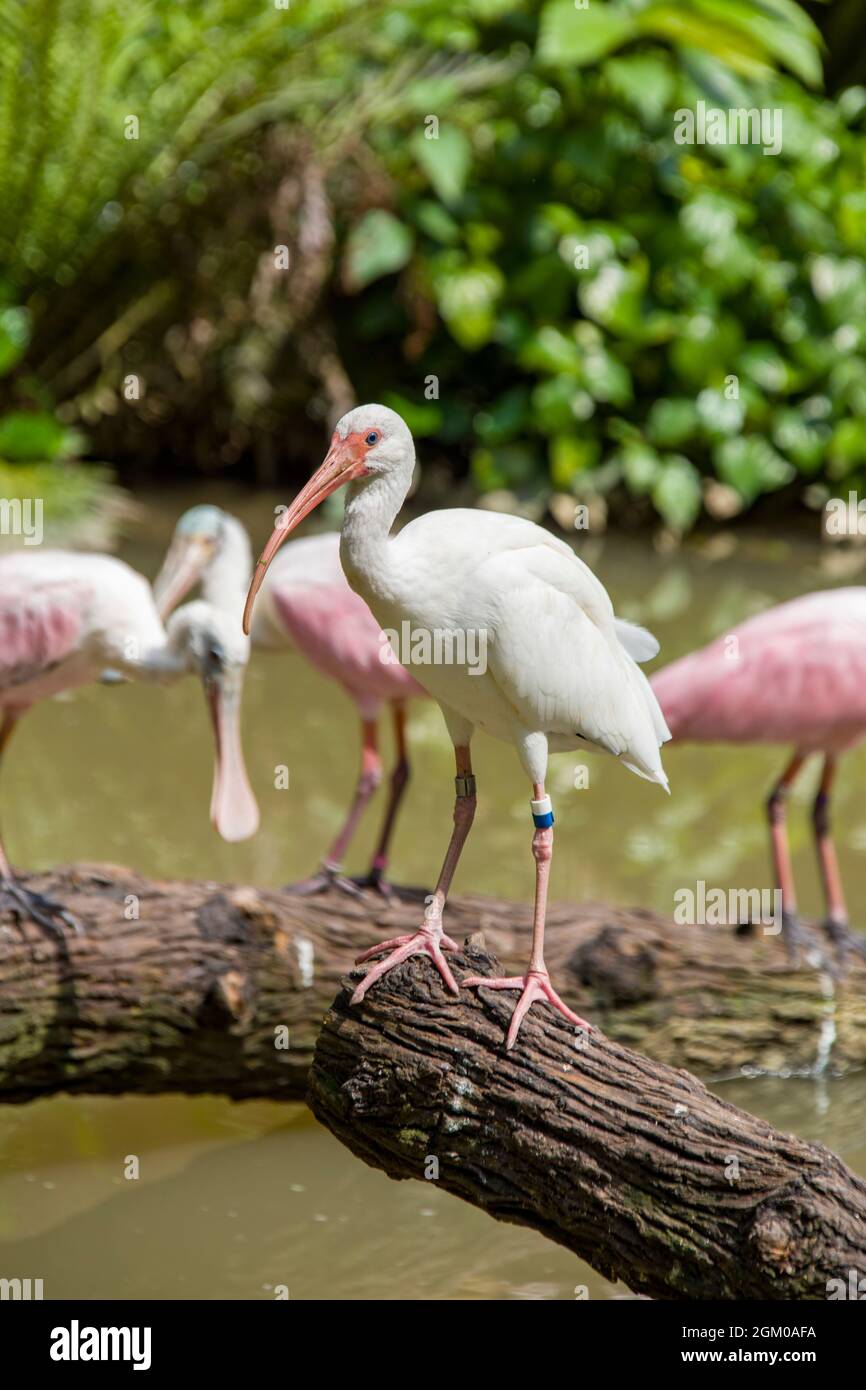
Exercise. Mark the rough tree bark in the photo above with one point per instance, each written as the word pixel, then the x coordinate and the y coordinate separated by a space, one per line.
pixel 635 1167
pixel 187 995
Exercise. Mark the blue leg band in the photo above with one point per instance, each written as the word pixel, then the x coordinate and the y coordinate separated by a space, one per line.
pixel 542 813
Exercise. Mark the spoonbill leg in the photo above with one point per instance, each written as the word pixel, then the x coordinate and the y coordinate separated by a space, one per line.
pixel 836 924
pixel 777 815
pixel 535 984
pixel 330 874
pixel 23 901
pixel 399 781
pixel 430 937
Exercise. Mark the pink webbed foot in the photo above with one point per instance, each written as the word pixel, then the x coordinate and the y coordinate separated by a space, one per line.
pixel 534 985
pixel 430 940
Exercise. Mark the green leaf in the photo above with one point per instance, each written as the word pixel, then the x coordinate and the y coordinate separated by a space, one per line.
pixel 852 219
pixel 504 419
pixel 847 447
pixel 614 297
pixel 424 418
pixel 378 245
pixel 802 441
pixel 641 468
pixel 606 378
pixel 671 423
pixel 705 347
pixel 644 80
pixel 490 9
pixel 569 35
pixel 31 436
pixel 751 465
pixel 553 404
pixel 776 35
pixel 445 160
pixel 681 25
pixel 467 301
pixel 551 350
pixel 719 414
pixel 677 493
pixel 509 466
pixel 571 455
pixel 766 366
pixel 437 223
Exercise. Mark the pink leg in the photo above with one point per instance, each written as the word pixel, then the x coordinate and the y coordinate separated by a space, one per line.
pixel 399 780
pixel 430 938
pixel 370 776
pixel 535 985
pixel 777 814
pixel 836 924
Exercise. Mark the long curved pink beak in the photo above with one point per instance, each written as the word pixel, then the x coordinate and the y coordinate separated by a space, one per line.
pixel 233 809
pixel 343 463
pixel 182 567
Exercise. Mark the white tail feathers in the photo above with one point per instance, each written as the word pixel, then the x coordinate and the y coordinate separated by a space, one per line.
pixel 638 642
pixel 650 729
pixel 657 775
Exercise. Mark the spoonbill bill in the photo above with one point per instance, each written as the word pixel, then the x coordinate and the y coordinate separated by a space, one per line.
pixel 307 606
pixel 795 674
pixel 560 671
pixel 65 618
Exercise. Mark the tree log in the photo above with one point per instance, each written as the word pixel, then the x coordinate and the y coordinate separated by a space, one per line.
pixel 633 1166
pixel 183 986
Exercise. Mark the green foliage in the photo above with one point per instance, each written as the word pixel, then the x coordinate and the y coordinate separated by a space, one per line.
pixel 26 435
pixel 377 245
pixel 37 450
pixel 70 491
pixel 445 160
pixel 748 37
pixel 102 104
pixel 652 313
pixel 508 212
pixel 106 110
pixel 151 158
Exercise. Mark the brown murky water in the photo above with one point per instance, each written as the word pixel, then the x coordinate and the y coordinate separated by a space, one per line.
pixel 236 1199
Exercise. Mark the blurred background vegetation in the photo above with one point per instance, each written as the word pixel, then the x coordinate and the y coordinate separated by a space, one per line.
pixel 223 223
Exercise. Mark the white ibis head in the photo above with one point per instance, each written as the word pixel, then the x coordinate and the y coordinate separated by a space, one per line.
pixel 213 647
pixel 198 537
pixel 371 441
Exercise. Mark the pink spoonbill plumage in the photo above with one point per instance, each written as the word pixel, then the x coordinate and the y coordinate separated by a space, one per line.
pixel 306 605
pixel 795 675
pixel 560 674
pixel 65 619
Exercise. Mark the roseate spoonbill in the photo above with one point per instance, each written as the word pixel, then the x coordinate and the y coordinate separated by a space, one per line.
pixel 65 618
pixel 307 606
pixel 560 672
pixel 797 675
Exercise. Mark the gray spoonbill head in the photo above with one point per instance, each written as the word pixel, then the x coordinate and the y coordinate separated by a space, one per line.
pixel 308 608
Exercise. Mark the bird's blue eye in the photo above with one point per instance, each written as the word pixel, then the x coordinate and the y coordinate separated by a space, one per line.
pixel 372 438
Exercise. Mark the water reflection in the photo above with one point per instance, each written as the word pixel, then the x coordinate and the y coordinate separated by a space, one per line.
pixel 234 1200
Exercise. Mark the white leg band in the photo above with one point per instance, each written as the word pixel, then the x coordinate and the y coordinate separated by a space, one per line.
pixel 542 812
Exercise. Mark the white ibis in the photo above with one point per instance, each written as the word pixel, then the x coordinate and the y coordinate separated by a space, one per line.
pixel 65 618
pixel 560 673
pixel 306 606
